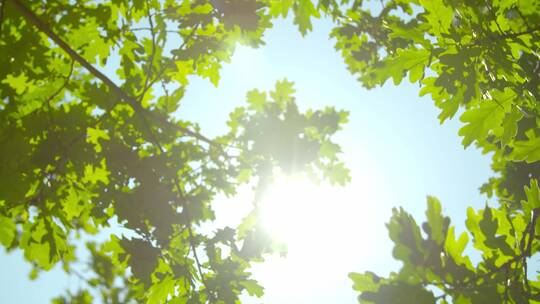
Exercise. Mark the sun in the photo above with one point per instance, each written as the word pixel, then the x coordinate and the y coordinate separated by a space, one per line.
pixel 306 215
pixel 293 209
pixel 328 230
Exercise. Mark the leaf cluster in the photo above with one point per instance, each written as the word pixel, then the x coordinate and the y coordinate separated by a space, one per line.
pixel 83 149
pixel 478 60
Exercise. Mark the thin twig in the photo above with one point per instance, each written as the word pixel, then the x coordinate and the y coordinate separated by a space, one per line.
pixel 58 91
pixel 531 231
pixel 184 43
pixel 2 5
pixel 135 29
pixel 515 35
pixel 506 284
pixel 490 8
pixel 78 274
pixel 151 57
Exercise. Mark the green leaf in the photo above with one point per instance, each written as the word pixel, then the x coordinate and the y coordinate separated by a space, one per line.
pixel 19 83
pixel 439 15
pixel 244 175
pixel 449 106
pixel 405 234
pixel 399 293
pixel 96 174
pixel 416 72
pixel 280 8
pixel 337 174
pixel 159 292
pixel 455 247
pixel 7 231
pixel 479 122
pixel 329 150
pixel 396 66
pixel 533 195
pixel 304 10
pixel 283 92
pixel 527 7
pixel 93 137
pixel 435 219
pixel 253 288
pixel 489 225
pixel 203 9
pixel 510 127
pixel 39 253
pixel 528 150
pixel 364 281
pixel 256 100
pixel 74 203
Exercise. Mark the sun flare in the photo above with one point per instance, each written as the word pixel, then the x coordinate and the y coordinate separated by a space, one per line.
pixel 326 228
pixel 293 209
pixel 303 213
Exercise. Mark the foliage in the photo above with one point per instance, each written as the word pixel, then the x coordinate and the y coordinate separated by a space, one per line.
pixel 478 59
pixel 80 152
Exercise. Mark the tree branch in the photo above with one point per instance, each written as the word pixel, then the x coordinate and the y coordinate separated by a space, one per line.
pixel 515 35
pixel 32 18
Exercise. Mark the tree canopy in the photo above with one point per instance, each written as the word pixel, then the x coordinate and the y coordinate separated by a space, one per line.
pixel 478 59
pixel 82 149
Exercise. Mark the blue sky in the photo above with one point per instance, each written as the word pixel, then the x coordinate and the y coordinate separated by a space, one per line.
pixel 393 144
